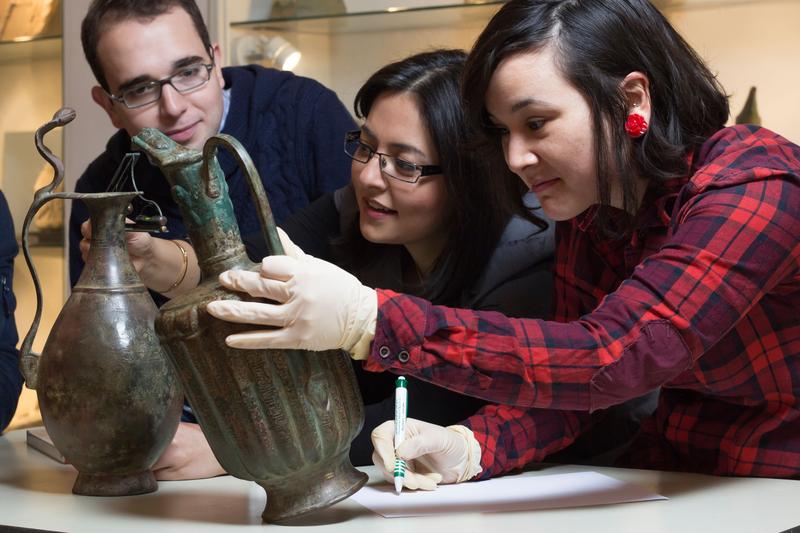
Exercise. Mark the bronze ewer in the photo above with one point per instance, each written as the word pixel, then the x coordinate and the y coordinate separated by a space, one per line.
pixel 108 396
pixel 282 418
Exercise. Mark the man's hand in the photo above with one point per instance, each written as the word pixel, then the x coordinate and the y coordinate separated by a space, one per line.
pixel 139 244
pixel 166 266
pixel 318 305
pixel 188 456
pixel 433 454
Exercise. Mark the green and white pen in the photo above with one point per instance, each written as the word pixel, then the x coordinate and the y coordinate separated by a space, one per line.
pixel 400 413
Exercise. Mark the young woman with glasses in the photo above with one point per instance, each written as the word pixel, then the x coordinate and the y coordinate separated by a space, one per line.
pixel 415 219
pixel 677 262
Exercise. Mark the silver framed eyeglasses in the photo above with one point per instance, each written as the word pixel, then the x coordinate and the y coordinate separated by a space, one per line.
pixel 187 79
pixel 394 167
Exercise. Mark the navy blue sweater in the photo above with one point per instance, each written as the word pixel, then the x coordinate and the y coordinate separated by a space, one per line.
pixel 292 127
pixel 10 376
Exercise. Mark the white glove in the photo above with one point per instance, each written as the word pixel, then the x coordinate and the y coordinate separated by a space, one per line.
pixel 319 305
pixel 433 454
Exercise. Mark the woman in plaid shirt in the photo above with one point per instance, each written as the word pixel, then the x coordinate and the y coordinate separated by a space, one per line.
pixel 677 263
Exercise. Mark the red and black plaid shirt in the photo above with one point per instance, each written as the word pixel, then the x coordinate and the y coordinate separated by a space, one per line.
pixel 703 301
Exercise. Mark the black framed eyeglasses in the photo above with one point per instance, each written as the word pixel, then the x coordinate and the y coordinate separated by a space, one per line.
pixel 187 79
pixel 394 167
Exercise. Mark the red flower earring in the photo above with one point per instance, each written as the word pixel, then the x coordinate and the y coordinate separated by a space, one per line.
pixel 635 126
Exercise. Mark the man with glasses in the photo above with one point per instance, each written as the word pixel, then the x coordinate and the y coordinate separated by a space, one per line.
pixel 156 67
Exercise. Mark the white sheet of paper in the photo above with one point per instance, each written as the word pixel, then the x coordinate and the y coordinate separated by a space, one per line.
pixel 510 493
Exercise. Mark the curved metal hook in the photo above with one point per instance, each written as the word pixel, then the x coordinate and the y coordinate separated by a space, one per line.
pixel 29 361
pixel 63 116
pixel 268 229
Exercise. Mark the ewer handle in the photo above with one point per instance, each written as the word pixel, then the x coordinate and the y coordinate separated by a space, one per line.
pixel 268 228
pixel 29 361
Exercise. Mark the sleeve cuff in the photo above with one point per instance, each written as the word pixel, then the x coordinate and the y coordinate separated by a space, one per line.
pixel 473 466
pixel 365 323
pixel 361 349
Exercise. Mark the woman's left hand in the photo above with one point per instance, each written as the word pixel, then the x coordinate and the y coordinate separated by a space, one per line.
pixel 318 305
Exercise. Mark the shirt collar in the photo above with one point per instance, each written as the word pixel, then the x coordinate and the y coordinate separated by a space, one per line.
pixel 585 219
pixel 658 202
pixel 656 207
pixel 226 106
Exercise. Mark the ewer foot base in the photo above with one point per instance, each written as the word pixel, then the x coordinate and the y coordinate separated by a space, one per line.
pixel 309 491
pixel 115 484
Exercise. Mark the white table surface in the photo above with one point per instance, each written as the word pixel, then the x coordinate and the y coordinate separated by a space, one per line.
pixel 35 492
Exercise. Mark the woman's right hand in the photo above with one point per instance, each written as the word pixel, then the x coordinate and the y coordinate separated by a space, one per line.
pixel 315 305
pixel 433 454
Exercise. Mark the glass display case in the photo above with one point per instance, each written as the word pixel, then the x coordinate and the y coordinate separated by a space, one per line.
pixel 342 43
pixel 747 42
pixel 31 74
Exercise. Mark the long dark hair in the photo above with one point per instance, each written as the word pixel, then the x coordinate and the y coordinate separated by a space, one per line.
pixel 597 43
pixel 478 217
pixel 103 13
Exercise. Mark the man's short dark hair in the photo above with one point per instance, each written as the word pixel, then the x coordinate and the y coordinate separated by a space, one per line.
pixel 103 13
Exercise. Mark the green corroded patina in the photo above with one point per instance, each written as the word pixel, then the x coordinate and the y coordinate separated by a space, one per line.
pixel 283 418
pixel 198 186
pixel 183 167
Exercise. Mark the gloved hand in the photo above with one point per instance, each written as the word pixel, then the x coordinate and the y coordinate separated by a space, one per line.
pixel 319 305
pixel 433 454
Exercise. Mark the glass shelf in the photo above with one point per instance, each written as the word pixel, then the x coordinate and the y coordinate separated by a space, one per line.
pixel 430 16
pixel 385 20
pixel 670 6
pixel 30 39
pixel 37 48
pixel 32 74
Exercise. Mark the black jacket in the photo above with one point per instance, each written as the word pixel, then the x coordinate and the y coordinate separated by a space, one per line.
pixel 292 127
pixel 10 376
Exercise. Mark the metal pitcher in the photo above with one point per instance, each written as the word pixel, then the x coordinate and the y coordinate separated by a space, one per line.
pixel 108 395
pixel 282 418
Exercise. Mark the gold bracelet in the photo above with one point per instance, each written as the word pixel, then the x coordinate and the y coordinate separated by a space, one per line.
pixel 185 258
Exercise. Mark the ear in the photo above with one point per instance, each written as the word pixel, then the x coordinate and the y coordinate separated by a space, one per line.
pixel 102 99
pixel 636 87
pixel 217 57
